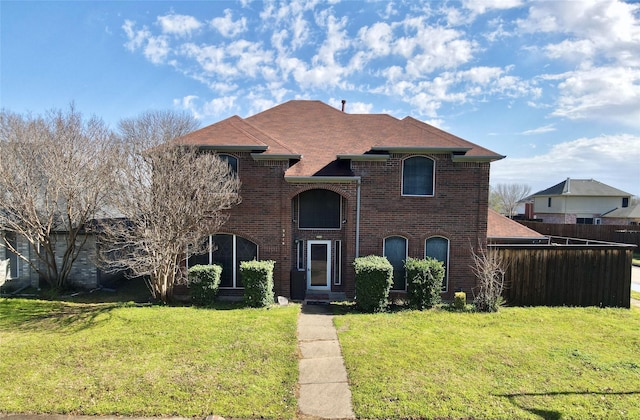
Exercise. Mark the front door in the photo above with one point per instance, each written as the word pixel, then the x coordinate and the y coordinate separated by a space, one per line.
pixel 318 265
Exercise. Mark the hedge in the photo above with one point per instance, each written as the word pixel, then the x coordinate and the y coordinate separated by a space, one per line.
pixel 374 277
pixel 257 278
pixel 424 282
pixel 204 281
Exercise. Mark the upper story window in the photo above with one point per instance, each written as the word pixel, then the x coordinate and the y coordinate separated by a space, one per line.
pixel 231 160
pixel 418 176
pixel 549 202
pixel 625 201
pixel 319 209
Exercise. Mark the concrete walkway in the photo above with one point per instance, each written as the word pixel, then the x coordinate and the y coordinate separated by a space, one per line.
pixel 324 389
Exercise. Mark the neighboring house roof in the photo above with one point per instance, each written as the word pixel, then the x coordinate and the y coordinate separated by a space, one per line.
pixel 632 212
pixel 581 187
pixel 501 227
pixel 320 136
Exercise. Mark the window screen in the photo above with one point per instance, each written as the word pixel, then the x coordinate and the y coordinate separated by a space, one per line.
pixel 417 176
pixel 223 255
pixel 438 248
pixel 319 209
pixel 395 249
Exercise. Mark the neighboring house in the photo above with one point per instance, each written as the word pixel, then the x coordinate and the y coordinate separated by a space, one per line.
pixel 84 273
pixel 321 187
pixel 578 201
pixel 502 230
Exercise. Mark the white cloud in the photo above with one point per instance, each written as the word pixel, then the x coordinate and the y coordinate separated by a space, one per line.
pixel 227 26
pixel 609 159
pixel 212 59
pixel 154 48
pixel 483 6
pixel 611 93
pixel 611 28
pixel 214 108
pixel 136 38
pixel 180 25
pixel 540 130
pixel 377 38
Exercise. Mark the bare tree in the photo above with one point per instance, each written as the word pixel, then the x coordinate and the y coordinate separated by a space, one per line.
pixel 55 173
pixel 490 269
pixel 507 196
pixel 169 197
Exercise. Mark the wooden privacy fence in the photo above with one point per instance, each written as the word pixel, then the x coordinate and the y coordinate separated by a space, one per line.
pixel 557 274
pixel 624 234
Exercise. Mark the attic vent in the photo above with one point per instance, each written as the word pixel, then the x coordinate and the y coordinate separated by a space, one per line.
pixel 344 102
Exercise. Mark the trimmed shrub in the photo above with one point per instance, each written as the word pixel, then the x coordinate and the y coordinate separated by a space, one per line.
pixel 257 277
pixel 460 300
pixel 424 282
pixel 374 277
pixel 204 281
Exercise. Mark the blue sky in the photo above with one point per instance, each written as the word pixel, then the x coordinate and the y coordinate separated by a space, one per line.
pixel 554 85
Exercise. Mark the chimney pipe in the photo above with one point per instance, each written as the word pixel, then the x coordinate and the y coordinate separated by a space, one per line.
pixel 344 101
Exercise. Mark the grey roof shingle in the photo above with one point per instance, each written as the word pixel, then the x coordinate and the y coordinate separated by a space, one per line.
pixel 581 187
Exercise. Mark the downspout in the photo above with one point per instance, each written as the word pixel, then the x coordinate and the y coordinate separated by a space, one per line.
pixel 358 218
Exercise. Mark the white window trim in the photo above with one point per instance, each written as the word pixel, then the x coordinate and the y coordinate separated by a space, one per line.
pixel 337 263
pixel 300 266
pixel 329 260
pixel 433 178
pixel 446 268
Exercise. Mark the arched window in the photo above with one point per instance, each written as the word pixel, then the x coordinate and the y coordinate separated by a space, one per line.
pixel 231 160
pixel 417 176
pixel 437 247
pixel 228 251
pixel 395 249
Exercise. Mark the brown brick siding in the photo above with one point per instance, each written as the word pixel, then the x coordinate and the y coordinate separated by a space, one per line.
pixel 457 211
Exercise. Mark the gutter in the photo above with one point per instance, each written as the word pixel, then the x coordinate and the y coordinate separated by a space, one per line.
pixel 358 218
pixel 321 179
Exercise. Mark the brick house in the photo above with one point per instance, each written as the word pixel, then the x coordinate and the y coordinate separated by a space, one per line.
pixel 321 187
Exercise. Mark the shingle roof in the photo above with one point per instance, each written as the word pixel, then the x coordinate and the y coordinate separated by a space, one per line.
pixel 582 187
pixel 320 133
pixel 632 212
pixel 499 226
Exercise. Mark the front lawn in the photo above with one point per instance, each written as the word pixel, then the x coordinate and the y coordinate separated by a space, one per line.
pixel 518 363
pixel 101 359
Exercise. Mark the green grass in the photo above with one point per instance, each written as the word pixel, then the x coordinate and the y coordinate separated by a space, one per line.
pixel 110 358
pixel 635 295
pixel 518 363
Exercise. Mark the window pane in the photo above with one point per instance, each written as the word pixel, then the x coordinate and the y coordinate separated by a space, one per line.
pixel 202 258
pixel 319 209
pixel 395 249
pixel 223 255
pixel 438 248
pixel 245 251
pixel 13 258
pixel 417 176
